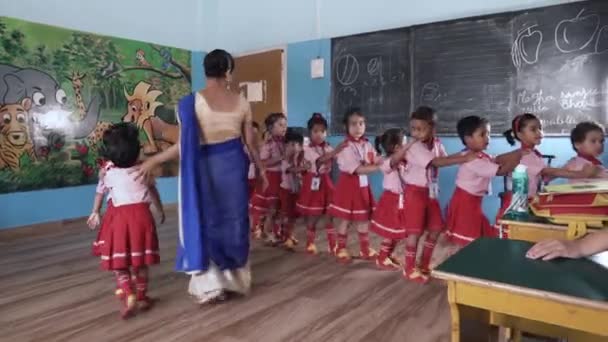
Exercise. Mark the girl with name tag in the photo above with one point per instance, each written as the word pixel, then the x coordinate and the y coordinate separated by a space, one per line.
pixel 265 201
pixel 389 216
pixel 352 201
pixel 317 186
pixel 423 161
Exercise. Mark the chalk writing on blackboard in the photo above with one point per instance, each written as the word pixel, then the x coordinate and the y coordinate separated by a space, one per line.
pixel 347 69
pixel 430 93
pixel 526 47
pixel 569 33
pixel 601 44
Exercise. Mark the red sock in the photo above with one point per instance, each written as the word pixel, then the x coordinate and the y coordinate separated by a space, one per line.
pixel 342 241
pixel 364 243
pixel 141 283
pixel 386 249
pixel 410 258
pixel 123 279
pixel 331 236
pixel 310 235
pixel 427 253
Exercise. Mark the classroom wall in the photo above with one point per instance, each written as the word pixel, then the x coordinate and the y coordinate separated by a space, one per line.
pixel 144 20
pixel 253 25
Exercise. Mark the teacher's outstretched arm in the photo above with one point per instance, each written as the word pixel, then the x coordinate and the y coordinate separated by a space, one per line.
pixel 144 170
pixel 589 245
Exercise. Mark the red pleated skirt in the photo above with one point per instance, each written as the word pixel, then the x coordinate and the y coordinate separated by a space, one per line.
pixel 388 220
pixel 107 216
pixel 350 201
pixel 465 219
pixel 314 202
pixel 263 200
pixel 129 238
pixel 423 212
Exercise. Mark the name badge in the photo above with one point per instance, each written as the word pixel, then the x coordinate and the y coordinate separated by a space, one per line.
pixel 490 188
pixel 434 190
pixel 363 182
pixel 400 201
pixel 315 184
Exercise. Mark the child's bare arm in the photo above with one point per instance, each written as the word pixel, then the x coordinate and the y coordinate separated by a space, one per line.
pixel 94 217
pixel 507 162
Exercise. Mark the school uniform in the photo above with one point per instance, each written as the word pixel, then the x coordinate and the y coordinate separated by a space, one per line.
pixel 389 217
pixel 262 199
pixel 288 194
pixel 465 218
pixel 579 162
pixel 352 199
pixel 317 186
pixel 251 175
pixel 535 164
pixel 422 188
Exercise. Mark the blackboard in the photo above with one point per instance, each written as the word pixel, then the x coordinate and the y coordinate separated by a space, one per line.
pixel 372 71
pixel 464 68
pixel 562 64
pixel 551 61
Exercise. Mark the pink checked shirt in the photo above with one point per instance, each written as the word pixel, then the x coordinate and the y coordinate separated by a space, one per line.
pixel 123 188
pixel 393 180
pixel 271 149
pixel 578 163
pixel 312 153
pixel 356 154
pixel 418 157
pixel 474 176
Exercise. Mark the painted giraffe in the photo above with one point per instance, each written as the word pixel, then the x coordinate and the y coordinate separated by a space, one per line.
pixel 76 79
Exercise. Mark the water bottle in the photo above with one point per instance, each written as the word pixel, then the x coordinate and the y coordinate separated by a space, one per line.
pixel 519 202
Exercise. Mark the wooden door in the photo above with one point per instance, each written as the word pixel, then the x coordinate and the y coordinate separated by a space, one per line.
pixel 259 77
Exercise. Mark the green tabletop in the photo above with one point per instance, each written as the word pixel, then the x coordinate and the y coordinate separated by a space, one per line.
pixel 504 261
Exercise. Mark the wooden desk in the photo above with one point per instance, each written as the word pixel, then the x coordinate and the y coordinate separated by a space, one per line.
pixel 492 278
pixel 536 230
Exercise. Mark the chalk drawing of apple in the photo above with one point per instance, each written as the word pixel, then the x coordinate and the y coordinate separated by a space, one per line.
pixel 601 44
pixel 529 45
pixel 577 33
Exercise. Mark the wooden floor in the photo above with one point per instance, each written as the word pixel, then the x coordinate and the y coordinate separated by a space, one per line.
pixel 52 290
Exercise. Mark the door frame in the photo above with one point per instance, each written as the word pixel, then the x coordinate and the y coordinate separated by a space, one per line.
pixel 283 48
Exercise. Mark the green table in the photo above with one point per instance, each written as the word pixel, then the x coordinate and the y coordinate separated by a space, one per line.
pixel 563 298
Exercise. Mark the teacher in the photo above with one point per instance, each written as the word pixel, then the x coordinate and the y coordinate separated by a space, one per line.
pixel 213 194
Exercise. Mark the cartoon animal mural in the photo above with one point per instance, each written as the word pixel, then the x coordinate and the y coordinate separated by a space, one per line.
pixel 14 134
pixel 49 113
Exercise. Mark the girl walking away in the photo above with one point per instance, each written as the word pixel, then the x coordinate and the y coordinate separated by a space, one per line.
pixel 317 186
pixel 388 219
pixel 352 202
pixel 129 233
pixel 291 169
pixel 423 161
pixel 527 130
pixel 265 201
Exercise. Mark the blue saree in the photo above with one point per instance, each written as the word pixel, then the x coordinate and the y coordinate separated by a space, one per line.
pixel 213 210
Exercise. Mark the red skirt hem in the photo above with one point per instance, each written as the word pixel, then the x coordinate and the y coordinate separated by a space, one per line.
pixel 262 201
pixel 314 203
pixel 465 219
pixel 351 201
pixel 130 238
pixel 388 220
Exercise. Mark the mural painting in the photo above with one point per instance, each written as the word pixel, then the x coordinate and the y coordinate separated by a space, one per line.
pixel 60 90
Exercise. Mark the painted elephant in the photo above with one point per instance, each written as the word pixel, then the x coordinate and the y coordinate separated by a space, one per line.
pixel 49 113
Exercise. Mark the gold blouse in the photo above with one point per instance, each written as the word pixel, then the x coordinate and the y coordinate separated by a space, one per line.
pixel 220 126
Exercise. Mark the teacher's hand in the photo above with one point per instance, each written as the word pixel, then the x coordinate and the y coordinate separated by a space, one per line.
pixel 552 249
pixel 143 171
